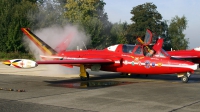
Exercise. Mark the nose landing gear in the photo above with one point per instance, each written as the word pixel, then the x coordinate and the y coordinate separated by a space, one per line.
pixel 184 77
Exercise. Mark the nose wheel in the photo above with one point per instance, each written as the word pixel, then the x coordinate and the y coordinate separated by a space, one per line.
pixel 185 77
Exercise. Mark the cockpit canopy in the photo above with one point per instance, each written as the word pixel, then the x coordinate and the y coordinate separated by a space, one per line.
pixel 143 49
pixel 148 37
pixel 136 50
pixel 127 48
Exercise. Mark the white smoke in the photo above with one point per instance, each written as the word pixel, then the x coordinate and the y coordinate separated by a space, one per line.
pixel 53 36
pixel 51 13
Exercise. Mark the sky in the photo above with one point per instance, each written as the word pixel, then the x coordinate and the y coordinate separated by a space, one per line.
pixel 119 10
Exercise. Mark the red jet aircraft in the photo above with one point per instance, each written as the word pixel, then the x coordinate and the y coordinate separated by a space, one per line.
pixel 122 58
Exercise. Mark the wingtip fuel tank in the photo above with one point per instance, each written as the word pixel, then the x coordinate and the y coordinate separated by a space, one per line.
pixel 21 63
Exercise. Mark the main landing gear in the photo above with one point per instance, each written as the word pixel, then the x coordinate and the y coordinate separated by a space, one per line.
pixel 84 76
pixel 184 77
pixel 125 74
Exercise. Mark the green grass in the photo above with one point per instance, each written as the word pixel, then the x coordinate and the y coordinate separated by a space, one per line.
pixel 15 55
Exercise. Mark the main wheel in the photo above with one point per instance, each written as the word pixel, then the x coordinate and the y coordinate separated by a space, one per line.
pixel 184 79
pixel 124 75
pixel 85 78
pixel 88 76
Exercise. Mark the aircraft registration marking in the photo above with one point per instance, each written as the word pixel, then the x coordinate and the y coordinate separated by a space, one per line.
pixel 127 62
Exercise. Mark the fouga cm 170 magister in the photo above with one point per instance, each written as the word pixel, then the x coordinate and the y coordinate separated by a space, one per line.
pixel 124 58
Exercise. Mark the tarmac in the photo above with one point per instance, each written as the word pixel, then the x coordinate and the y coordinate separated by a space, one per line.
pixel 43 90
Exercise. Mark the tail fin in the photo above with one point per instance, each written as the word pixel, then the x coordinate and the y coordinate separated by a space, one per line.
pixel 45 48
pixel 158 45
pixel 65 43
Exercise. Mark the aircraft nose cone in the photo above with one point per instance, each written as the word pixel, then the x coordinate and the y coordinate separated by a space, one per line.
pixel 7 62
pixel 196 66
pixel 192 65
pixel 179 66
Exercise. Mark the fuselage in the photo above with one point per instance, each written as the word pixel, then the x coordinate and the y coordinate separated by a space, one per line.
pixel 132 59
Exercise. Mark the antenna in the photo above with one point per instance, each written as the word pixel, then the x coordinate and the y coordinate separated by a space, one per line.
pixel 77 48
pixel 84 45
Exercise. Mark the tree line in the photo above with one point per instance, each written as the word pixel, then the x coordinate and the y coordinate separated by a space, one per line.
pixel 92 18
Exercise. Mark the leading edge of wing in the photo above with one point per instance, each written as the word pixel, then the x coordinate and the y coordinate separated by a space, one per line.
pixel 184 57
pixel 81 61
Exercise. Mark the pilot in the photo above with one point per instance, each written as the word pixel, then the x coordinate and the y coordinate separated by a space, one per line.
pixel 150 53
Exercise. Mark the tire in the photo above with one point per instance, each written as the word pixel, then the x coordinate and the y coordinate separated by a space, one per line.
pixel 123 74
pixel 85 78
pixel 88 76
pixel 184 79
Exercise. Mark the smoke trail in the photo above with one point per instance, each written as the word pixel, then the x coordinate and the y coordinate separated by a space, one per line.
pixel 51 14
pixel 53 36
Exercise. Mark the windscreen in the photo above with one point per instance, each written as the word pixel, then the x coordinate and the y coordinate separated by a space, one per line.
pixel 127 48
pixel 162 53
pixel 165 53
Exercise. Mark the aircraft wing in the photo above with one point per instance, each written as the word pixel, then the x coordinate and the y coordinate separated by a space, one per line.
pixel 185 57
pixel 185 54
pixel 190 55
pixel 78 61
pixel 25 63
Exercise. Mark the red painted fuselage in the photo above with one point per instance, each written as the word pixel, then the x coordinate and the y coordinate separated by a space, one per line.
pixel 132 61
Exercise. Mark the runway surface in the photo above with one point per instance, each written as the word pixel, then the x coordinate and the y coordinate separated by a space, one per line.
pixel 33 90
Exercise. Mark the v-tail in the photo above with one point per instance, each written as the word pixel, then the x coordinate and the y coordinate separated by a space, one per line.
pixel 45 48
